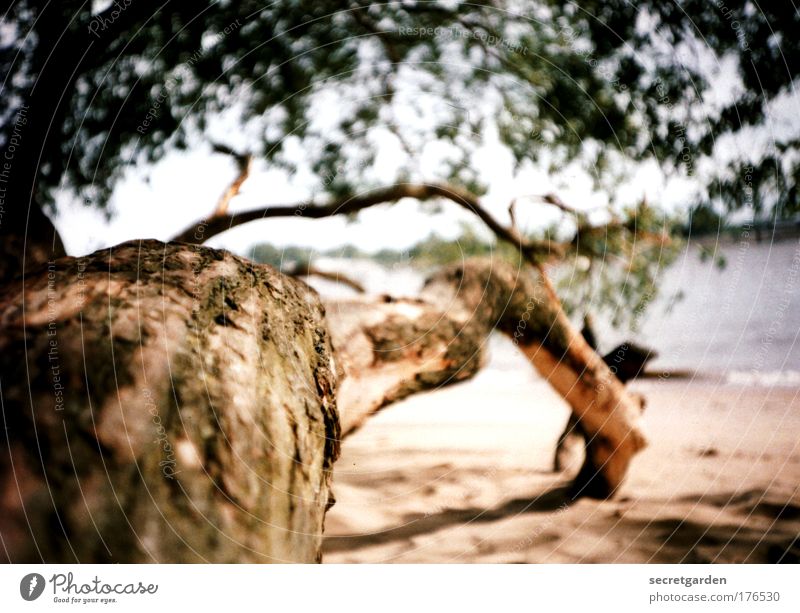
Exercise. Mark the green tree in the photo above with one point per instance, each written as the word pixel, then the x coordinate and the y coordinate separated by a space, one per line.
pixel 91 88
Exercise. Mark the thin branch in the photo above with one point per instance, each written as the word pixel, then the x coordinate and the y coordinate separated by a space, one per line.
pixel 386 39
pixel 557 202
pixel 512 213
pixel 362 17
pixel 533 250
pixel 304 269
pixel 245 162
pixel 586 229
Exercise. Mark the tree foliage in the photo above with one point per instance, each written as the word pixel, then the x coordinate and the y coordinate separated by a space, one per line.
pixel 604 83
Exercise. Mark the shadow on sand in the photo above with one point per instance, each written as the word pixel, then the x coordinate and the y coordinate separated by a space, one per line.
pixel 663 540
pixel 416 524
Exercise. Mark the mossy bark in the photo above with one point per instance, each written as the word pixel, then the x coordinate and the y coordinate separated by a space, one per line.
pixel 164 402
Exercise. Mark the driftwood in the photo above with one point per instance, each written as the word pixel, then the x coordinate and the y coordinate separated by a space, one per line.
pixel 164 403
pixel 390 349
pixel 626 361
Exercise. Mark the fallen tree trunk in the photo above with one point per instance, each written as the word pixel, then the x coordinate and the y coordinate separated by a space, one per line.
pixel 173 403
pixel 391 349
pixel 164 402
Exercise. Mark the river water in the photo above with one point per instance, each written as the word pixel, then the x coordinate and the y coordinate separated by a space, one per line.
pixel 741 321
pixel 739 324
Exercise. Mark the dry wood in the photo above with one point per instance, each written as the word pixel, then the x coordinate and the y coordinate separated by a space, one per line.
pixel 305 269
pixel 390 349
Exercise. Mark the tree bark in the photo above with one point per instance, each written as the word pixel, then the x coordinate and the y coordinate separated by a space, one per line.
pixel 168 403
pixel 37 145
pixel 28 238
pixel 33 149
pixel 395 348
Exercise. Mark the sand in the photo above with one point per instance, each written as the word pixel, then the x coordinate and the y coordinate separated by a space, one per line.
pixel 464 475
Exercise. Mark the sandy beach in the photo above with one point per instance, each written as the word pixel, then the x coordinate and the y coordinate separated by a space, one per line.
pixel 464 475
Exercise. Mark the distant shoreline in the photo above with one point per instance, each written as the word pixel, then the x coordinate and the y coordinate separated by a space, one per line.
pixel 778 232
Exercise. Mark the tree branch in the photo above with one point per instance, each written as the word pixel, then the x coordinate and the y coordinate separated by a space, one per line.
pixel 305 269
pixel 245 162
pixel 390 349
pixel 533 250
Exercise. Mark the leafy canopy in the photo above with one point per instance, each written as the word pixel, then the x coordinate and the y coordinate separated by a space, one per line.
pixel 603 83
